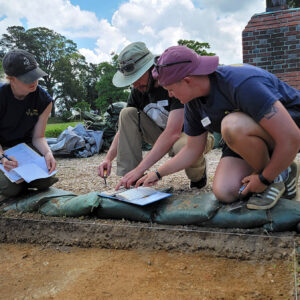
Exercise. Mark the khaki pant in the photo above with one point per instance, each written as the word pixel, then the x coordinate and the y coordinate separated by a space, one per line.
pixel 130 143
pixel 11 189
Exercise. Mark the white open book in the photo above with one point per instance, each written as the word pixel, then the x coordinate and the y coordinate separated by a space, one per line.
pixel 140 196
pixel 31 165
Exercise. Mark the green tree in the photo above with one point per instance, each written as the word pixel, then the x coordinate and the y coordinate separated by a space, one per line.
pixel 198 47
pixel 92 76
pixel 70 90
pixel 50 49
pixel 107 92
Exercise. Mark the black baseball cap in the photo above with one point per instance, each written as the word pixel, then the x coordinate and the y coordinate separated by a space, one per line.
pixel 22 65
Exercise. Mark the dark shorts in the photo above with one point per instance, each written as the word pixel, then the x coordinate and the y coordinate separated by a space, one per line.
pixel 226 151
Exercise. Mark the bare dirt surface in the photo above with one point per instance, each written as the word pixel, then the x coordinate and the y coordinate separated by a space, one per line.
pixel 49 271
pixel 34 272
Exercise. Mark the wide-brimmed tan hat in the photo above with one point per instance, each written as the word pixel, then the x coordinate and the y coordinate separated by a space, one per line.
pixel 134 60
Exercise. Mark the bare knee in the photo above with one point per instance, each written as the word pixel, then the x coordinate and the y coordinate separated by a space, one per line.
pixel 225 194
pixel 234 126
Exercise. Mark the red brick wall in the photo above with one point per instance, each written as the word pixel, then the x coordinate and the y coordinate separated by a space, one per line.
pixel 272 41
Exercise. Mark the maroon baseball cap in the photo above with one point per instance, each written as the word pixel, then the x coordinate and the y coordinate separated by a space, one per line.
pixel 178 62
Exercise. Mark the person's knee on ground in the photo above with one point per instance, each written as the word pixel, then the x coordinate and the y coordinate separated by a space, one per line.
pixel 225 192
pixel 10 189
pixel 43 183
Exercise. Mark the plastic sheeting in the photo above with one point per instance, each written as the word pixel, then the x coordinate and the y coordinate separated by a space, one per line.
pixel 78 142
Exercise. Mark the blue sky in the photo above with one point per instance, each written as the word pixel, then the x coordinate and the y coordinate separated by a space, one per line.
pixel 103 9
pixel 101 27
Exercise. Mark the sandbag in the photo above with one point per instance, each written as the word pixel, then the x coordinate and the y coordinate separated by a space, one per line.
pixel 238 218
pixel 33 200
pixel 114 209
pixel 285 216
pixel 186 209
pixel 71 206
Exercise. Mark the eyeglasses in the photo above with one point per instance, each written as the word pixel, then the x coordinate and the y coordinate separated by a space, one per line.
pixel 128 66
pixel 157 66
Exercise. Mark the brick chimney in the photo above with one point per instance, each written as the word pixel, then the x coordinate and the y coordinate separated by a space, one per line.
pixel 271 41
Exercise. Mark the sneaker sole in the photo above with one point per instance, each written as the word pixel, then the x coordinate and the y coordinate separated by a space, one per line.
pixel 296 185
pixel 253 206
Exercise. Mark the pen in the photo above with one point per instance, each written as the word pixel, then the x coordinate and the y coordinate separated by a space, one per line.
pixel 4 155
pixel 241 189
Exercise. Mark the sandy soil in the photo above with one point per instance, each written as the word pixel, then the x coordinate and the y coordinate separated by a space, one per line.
pixel 33 272
pixel 48 272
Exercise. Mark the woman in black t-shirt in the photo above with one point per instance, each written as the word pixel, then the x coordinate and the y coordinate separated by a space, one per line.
pixel 24 111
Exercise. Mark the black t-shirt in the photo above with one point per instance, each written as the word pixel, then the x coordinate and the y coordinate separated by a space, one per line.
pixel 156 104
pixel 18 117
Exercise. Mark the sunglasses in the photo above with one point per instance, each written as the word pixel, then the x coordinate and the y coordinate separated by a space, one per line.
pixel 129 65
pixel 157 66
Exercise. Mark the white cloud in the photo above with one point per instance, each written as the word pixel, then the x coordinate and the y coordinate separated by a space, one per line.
pixel 159 24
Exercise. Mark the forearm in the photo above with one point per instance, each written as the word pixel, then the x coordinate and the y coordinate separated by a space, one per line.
pixel 160 148
pixel 180 161
pixel 113 149
pixel 282 156
pixel 41 144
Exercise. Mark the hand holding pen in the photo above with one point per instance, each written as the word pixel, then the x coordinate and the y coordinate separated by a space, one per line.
pixel 9 162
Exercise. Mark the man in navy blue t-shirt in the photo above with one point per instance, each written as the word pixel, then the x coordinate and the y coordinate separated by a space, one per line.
pixel 257 114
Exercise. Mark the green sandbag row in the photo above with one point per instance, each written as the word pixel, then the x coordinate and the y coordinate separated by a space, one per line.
pixel 55 202
pixel 33 200
pixel 174 210
pixel 114 209
pixel 285 216
pixel 187 209
pixel 71 206
pixel 203 210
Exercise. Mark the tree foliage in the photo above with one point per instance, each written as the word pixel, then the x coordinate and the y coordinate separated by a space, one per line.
pixel 107 92
pixel 71 80
pixel 55 54
pixel 199 48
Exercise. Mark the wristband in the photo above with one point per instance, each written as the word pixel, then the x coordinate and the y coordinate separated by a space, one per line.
pixel 158 175
pixel 263 179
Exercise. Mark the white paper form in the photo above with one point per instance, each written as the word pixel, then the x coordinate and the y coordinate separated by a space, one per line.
pixel 31 165
pixel 139 196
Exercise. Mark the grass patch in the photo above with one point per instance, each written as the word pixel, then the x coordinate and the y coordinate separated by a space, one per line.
pixel 54 130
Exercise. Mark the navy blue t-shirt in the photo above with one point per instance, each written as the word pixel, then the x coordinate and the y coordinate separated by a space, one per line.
pixel 245 88
pixel 18 117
